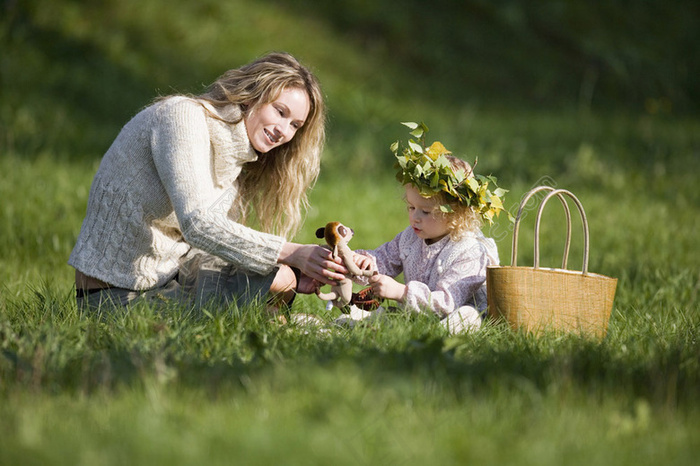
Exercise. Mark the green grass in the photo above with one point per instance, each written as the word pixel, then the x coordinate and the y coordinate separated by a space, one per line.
pixel 550 93
pixel 184 389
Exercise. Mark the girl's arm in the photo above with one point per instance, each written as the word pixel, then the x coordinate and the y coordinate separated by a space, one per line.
pixel 386 257
pixel 388 288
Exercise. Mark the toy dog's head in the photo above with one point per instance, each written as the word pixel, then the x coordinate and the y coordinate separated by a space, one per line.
pixel 335 233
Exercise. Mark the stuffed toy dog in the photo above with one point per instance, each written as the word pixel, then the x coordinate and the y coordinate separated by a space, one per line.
pixel 337 237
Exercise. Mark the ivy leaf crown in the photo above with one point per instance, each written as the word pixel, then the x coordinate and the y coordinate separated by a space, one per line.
pixel 430 172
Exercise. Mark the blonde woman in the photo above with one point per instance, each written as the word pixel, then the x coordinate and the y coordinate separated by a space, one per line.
pixel 171 205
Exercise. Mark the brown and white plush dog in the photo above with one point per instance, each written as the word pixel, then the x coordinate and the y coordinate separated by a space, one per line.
pixel 337 237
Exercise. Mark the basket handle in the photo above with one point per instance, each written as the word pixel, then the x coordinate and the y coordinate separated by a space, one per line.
pixel 516 228
pixel 584 221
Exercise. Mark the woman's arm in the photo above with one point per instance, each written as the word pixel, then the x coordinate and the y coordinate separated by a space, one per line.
pixel 181 153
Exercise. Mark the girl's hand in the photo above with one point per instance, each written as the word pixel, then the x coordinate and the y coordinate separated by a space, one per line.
pixel 314 261
pixel 363 262
pixel 387 288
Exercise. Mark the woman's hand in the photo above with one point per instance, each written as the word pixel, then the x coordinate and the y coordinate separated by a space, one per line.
pixel 307 285
pixel 314 261
pixel 387 288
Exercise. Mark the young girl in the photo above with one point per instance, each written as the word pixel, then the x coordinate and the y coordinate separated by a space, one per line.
pixel 442 253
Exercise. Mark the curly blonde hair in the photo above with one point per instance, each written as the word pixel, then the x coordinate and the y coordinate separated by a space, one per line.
pixel 462 219
pixel 275 186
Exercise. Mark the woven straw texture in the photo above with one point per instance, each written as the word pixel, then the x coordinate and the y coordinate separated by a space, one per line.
pixel 542 299
pixel 539 300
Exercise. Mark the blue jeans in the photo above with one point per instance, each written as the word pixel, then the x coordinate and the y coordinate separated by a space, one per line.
pixel 201 279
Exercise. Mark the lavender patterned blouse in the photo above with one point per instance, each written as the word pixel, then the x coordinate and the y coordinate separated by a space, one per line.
pixel 442 276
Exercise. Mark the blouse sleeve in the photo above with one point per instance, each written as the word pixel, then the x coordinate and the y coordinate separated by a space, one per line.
pixel 387 257
pixel 181 152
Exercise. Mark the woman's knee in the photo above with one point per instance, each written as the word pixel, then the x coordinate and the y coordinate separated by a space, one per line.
pixel 283 289
pixel 285 280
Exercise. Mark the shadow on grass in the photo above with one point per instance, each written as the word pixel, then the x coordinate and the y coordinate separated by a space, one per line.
pixel 49 347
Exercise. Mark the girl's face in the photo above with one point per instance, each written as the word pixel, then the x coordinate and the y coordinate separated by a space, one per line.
pixel 276 123
pixel 424 216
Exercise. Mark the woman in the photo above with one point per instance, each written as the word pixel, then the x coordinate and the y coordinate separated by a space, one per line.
pixel 168 206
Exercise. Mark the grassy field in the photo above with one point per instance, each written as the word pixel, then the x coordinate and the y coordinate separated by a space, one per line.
pixel 599 99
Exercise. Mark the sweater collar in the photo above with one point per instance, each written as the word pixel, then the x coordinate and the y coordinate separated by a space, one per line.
pixel 229 141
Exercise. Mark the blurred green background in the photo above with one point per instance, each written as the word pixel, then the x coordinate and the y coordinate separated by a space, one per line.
pixel 72 72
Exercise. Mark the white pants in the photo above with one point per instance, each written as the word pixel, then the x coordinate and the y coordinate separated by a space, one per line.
pixel 462 320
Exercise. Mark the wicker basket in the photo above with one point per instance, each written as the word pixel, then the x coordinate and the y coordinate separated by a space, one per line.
pixel 542 299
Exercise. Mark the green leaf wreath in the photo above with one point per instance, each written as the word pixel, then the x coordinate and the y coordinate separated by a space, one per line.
pixel 429 171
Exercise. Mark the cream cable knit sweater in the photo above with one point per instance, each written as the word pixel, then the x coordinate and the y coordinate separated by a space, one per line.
pixel 167 184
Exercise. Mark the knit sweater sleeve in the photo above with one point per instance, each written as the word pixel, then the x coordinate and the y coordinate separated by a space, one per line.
pixel 182 153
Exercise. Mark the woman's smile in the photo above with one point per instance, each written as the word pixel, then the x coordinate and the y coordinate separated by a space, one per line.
pixel 275 123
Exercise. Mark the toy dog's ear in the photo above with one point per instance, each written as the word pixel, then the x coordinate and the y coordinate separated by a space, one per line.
pixel 321 232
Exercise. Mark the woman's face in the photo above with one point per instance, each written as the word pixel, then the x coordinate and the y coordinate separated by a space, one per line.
pixel 276 123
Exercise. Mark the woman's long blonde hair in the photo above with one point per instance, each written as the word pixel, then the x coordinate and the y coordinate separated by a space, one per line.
pixel 275 185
